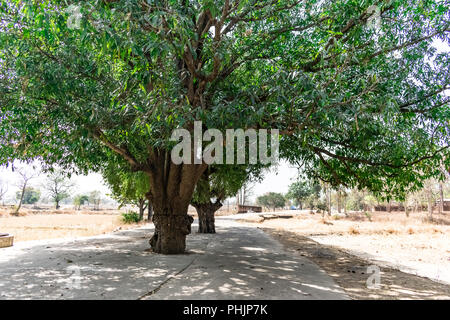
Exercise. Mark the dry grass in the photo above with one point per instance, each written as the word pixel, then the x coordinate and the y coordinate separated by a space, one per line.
pixel 27 210
pixel 392 237
pixel 381 223
pixel 350 272
pixel 353 230
pixel 32 225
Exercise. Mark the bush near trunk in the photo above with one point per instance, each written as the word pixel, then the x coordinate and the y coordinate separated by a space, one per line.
pixel 131 217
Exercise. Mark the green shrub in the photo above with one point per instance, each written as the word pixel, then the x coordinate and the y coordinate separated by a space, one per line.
pixel 130 217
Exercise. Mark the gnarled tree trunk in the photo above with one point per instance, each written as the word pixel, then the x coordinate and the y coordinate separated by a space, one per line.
pixel 171 230
pixel 171 189
pixel 141 209
pixel 206 211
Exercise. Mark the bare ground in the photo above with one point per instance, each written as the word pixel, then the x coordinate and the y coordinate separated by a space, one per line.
pixel 34 224
pixel 350 272
pixel 388 237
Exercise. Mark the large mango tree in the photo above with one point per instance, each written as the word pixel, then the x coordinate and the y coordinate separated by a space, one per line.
pixel 356 88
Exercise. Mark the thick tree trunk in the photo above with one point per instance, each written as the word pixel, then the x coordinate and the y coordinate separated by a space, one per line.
pixel 171 189
pixel 170 232
pixel 206 221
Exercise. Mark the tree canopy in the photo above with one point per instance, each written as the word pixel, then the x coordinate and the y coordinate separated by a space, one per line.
pixel 30 195
pixel 220 182
pixel 80 200
pixel 301 190
pixel 127 187
pixel 58 187
pixel 271 200
pixel 217 183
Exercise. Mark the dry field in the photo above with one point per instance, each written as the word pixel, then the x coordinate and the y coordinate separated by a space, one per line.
pixel 408 242
pixel 34 224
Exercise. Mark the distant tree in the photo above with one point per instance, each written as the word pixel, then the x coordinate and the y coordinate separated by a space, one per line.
pixel 272 200
pixel 430 193
pixel 300 190
pixel 263 201
pixel 442 182
pixel 128 187
pixel 95 198
pixel 58 187
pixel 339 198
pixel 244 193
pixel 25 177
pixel 218 183
pixel 355 200
pixel 3 190
pixel 312 201
pixel 370 201
pixel 79 200
pixel 361 200
pixel 29 196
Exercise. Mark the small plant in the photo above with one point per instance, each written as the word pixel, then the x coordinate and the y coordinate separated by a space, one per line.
pixel 14 212
pixel 391 231
pixel 368 215
pixel 131 217
pixel 326 222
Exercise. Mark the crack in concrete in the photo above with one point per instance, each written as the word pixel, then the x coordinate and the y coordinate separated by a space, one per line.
pixel 148 294
pixel 152 292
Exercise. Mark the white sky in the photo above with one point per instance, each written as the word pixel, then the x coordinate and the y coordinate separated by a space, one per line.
pixel 276 180
pixel 83 184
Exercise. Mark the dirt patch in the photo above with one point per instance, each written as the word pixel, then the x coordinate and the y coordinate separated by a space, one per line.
pixel 51 226
pixel 27 210
pixel 350 272
pixel 409 243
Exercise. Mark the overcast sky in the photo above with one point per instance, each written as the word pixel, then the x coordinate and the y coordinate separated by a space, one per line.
pixel 277 180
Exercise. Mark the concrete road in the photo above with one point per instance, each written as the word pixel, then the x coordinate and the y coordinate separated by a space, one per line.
pixel 238 262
